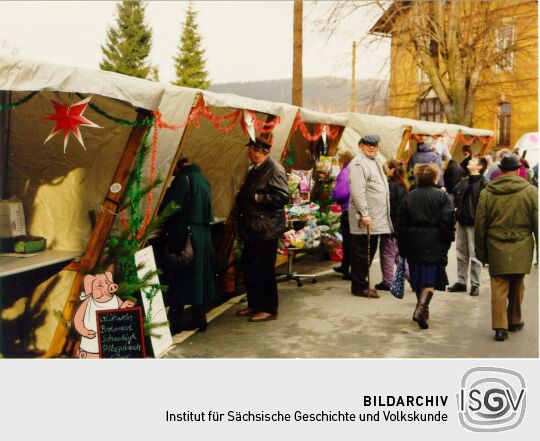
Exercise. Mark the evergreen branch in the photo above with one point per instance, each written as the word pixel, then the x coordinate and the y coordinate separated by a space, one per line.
pixel 149 327
pixel 144 191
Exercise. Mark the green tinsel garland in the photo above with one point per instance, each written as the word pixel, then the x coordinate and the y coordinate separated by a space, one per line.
pixel 127 262
pixel 23 100
pixel 120 121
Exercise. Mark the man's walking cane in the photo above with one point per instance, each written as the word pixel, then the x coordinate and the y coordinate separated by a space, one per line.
pixel 368 260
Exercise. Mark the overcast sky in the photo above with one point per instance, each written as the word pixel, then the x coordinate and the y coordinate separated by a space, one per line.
pixel 244 40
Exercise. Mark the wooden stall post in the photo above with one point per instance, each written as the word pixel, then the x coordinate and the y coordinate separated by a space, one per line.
pixel 485 145
pixel 60 344
pixel 456 141
pixel 400 154
pixel 269 119
pixel 5 124
pixel 335 143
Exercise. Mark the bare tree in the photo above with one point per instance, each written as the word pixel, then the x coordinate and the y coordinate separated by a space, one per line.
pixel 454 43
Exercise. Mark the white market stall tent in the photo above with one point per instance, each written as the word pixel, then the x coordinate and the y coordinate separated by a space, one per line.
pixel 395 133
pixel 72 197
pixel 222 155
pixel 312 134
pixel 69 197
pixel 453 135
pixel 63 191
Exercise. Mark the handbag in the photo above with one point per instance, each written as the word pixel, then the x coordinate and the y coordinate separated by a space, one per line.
pixel 397 289
pixel 184 258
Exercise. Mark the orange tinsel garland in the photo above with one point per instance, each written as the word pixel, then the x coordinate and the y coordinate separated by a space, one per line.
pixel 200 110
pixel 459 138
pixel 299 125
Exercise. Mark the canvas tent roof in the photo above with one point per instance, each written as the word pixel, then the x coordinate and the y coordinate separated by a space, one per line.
pixel 66 187
pixel 435 128
pixel 174 102
pixel 310 116
pixel 391 130
pixel 63 188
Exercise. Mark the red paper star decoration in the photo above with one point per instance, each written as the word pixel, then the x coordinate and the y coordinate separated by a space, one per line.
pixel 68 119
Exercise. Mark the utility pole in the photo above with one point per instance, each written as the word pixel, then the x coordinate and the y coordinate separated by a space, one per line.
pixel 353 78
pixel 297 54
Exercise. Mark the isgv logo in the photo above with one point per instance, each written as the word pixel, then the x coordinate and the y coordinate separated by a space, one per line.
pixel 491 399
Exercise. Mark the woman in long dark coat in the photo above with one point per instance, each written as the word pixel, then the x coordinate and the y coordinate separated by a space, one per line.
pixel 425 232
pixel 197 285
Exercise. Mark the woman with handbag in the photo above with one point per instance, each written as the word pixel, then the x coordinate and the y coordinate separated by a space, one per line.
pixel 191 272
pixel 389 256
pixel 426 226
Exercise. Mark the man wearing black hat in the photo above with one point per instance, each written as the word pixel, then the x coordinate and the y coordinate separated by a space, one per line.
pixel 369 212
pixel 506 220
pixel 261 219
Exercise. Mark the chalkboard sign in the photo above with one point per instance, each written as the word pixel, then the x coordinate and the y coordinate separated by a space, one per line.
pixel 120 333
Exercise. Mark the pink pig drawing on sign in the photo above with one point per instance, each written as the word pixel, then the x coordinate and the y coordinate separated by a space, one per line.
pixel 99 294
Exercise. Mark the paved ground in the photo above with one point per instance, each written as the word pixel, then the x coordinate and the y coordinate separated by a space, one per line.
pixel 324 320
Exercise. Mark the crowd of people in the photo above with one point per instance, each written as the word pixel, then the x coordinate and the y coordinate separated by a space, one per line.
pixel 492 219
pixel 412 211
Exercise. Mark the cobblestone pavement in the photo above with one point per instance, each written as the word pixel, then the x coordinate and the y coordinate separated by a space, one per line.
pixel 323 320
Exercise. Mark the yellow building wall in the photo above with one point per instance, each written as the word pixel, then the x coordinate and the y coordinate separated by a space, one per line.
pixel 519 87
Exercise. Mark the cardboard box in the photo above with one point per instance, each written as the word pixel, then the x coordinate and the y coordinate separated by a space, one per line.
pixel 12 221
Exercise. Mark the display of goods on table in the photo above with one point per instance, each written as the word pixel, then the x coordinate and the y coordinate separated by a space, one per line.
pixel 332 248
pixel 327 168
pixel 313 225
pixel 326 171
pixel 303 230
pixel 300 185
pixel 332 239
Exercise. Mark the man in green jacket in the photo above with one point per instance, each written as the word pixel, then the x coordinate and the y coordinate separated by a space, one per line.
pixel 506 220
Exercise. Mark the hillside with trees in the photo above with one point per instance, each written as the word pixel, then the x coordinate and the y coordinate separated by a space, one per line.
pixel 325 94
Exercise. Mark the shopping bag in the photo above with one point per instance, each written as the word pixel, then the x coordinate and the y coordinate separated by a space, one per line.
pixel 398 284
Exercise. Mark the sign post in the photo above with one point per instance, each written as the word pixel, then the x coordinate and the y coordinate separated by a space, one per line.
pixel 155 308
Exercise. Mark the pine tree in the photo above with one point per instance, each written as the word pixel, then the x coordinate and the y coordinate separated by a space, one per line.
pixel 190 62
pixel 128 44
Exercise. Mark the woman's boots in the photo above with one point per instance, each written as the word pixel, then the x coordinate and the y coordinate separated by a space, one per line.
pixel 421 313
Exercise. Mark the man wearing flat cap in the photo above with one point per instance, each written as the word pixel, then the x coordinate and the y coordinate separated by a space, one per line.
pixel 369 211
pixel 261 218
pixel 506 220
